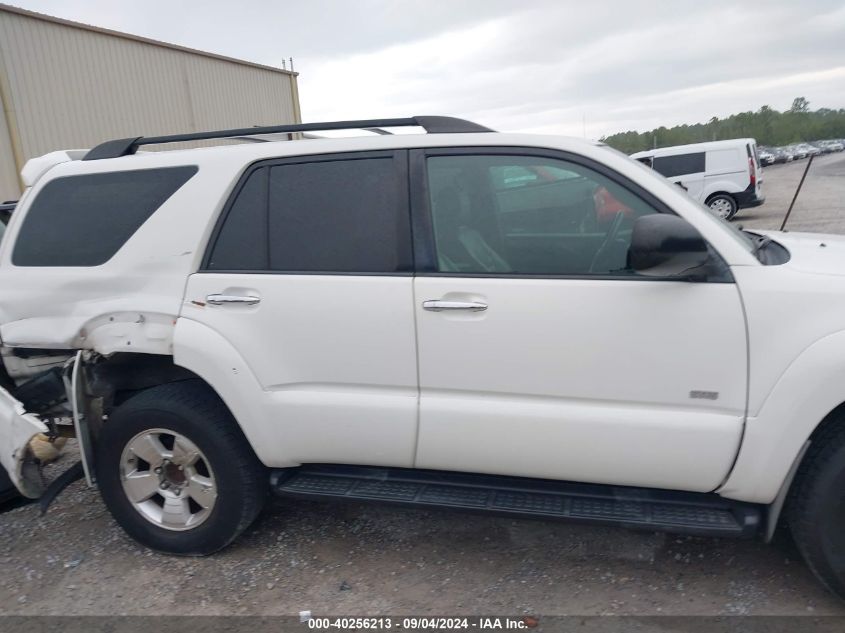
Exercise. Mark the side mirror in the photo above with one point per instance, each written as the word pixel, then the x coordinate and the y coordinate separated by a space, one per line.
pixel 664 245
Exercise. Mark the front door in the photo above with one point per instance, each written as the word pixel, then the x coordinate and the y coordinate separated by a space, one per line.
pixel 541 353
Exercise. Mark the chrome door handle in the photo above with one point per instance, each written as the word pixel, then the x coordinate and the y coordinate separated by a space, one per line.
pixel 440 305
pixel 222 300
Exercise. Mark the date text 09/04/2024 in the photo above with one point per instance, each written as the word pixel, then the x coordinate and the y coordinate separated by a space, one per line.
pixel 423 623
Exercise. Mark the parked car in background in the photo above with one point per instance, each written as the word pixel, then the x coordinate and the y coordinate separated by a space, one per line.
pixel 722 175
pixel 766 156
pixel 831 145
pixel 783 155
pixel 798 151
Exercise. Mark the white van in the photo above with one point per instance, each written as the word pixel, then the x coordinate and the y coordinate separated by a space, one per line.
pixel 724 175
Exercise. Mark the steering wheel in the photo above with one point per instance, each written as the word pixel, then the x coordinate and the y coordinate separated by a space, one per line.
pixel 612 232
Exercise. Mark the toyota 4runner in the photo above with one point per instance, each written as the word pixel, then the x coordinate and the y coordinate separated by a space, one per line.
pixel 526 325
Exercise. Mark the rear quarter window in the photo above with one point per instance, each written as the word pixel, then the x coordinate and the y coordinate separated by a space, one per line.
pixel 679 164
pixel 84 220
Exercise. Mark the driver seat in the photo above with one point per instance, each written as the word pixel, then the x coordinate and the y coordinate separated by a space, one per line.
pixel 457 240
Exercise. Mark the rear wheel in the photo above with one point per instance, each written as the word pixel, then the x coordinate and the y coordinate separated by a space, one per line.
pixel 176 472
pixel 816 508
pixel 722 205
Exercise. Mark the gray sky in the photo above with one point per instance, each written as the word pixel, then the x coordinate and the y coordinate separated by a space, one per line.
pixel 556 66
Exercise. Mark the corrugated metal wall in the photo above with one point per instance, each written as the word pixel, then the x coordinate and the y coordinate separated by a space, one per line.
pixel 71 87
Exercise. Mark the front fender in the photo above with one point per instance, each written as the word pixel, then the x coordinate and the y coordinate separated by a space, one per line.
pixel 810 388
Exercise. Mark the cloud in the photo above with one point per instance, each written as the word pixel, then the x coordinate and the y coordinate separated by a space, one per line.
pixel 541 65
pixel 549 70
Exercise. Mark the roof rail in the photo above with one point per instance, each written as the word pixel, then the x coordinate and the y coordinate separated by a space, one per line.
pixel 431 124
pixel 8 206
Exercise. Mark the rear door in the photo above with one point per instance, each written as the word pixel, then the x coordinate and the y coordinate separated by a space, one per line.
pixel 309 276
pixel 729 168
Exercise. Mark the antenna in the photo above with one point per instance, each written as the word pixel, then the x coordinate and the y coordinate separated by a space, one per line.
pixel 797 191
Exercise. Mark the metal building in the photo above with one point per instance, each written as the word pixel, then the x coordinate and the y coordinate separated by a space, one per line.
pixel 66 85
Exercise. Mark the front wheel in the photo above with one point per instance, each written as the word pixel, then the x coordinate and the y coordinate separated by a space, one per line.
pixel 722 205
pixel 176 472
pixel 816 508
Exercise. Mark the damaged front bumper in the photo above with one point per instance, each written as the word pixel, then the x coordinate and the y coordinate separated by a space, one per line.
pixel 17 428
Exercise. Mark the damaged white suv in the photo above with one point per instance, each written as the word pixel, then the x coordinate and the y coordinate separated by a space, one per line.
pixel 527 325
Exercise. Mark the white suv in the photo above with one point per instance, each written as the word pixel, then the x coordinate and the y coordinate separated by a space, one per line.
pixel 528 325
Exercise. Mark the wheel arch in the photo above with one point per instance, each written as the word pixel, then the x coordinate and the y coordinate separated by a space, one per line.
pixel 117 377
pixel 199 353
pixel 809 396
pixel 211 357
pixel 720 192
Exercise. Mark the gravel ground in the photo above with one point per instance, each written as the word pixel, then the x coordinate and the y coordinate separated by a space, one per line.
pixel 365 560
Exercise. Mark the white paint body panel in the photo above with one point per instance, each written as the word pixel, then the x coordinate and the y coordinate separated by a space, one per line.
pixel 17 428
pixel 583 380
pixel 796 317
pixel 334 358
pixel 34 168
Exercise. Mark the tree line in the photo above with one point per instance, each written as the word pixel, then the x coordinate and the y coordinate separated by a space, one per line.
pixel 767 125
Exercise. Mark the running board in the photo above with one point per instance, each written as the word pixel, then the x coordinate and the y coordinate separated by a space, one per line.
pixel 649 509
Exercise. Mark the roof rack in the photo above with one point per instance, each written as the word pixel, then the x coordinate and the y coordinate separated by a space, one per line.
pixel 431 124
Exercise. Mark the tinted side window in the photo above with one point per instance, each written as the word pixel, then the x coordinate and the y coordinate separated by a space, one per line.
pixel 242 242
pixel 85 220
pixel 338 216
pixel 564 219
pixel 680 164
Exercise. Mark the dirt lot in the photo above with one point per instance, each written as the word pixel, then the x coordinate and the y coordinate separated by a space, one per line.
pixel 357 559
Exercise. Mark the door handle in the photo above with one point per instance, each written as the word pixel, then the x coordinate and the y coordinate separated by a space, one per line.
pixel 223 300
pixel 440 305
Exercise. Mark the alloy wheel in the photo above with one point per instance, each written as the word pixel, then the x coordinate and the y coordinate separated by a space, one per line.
pixel 167 479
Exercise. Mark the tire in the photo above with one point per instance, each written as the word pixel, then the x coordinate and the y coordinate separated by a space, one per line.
pixel 204 495
pixel 722 205
pixel 816 508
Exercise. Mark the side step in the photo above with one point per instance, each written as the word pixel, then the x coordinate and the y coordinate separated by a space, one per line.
pixel 650 509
